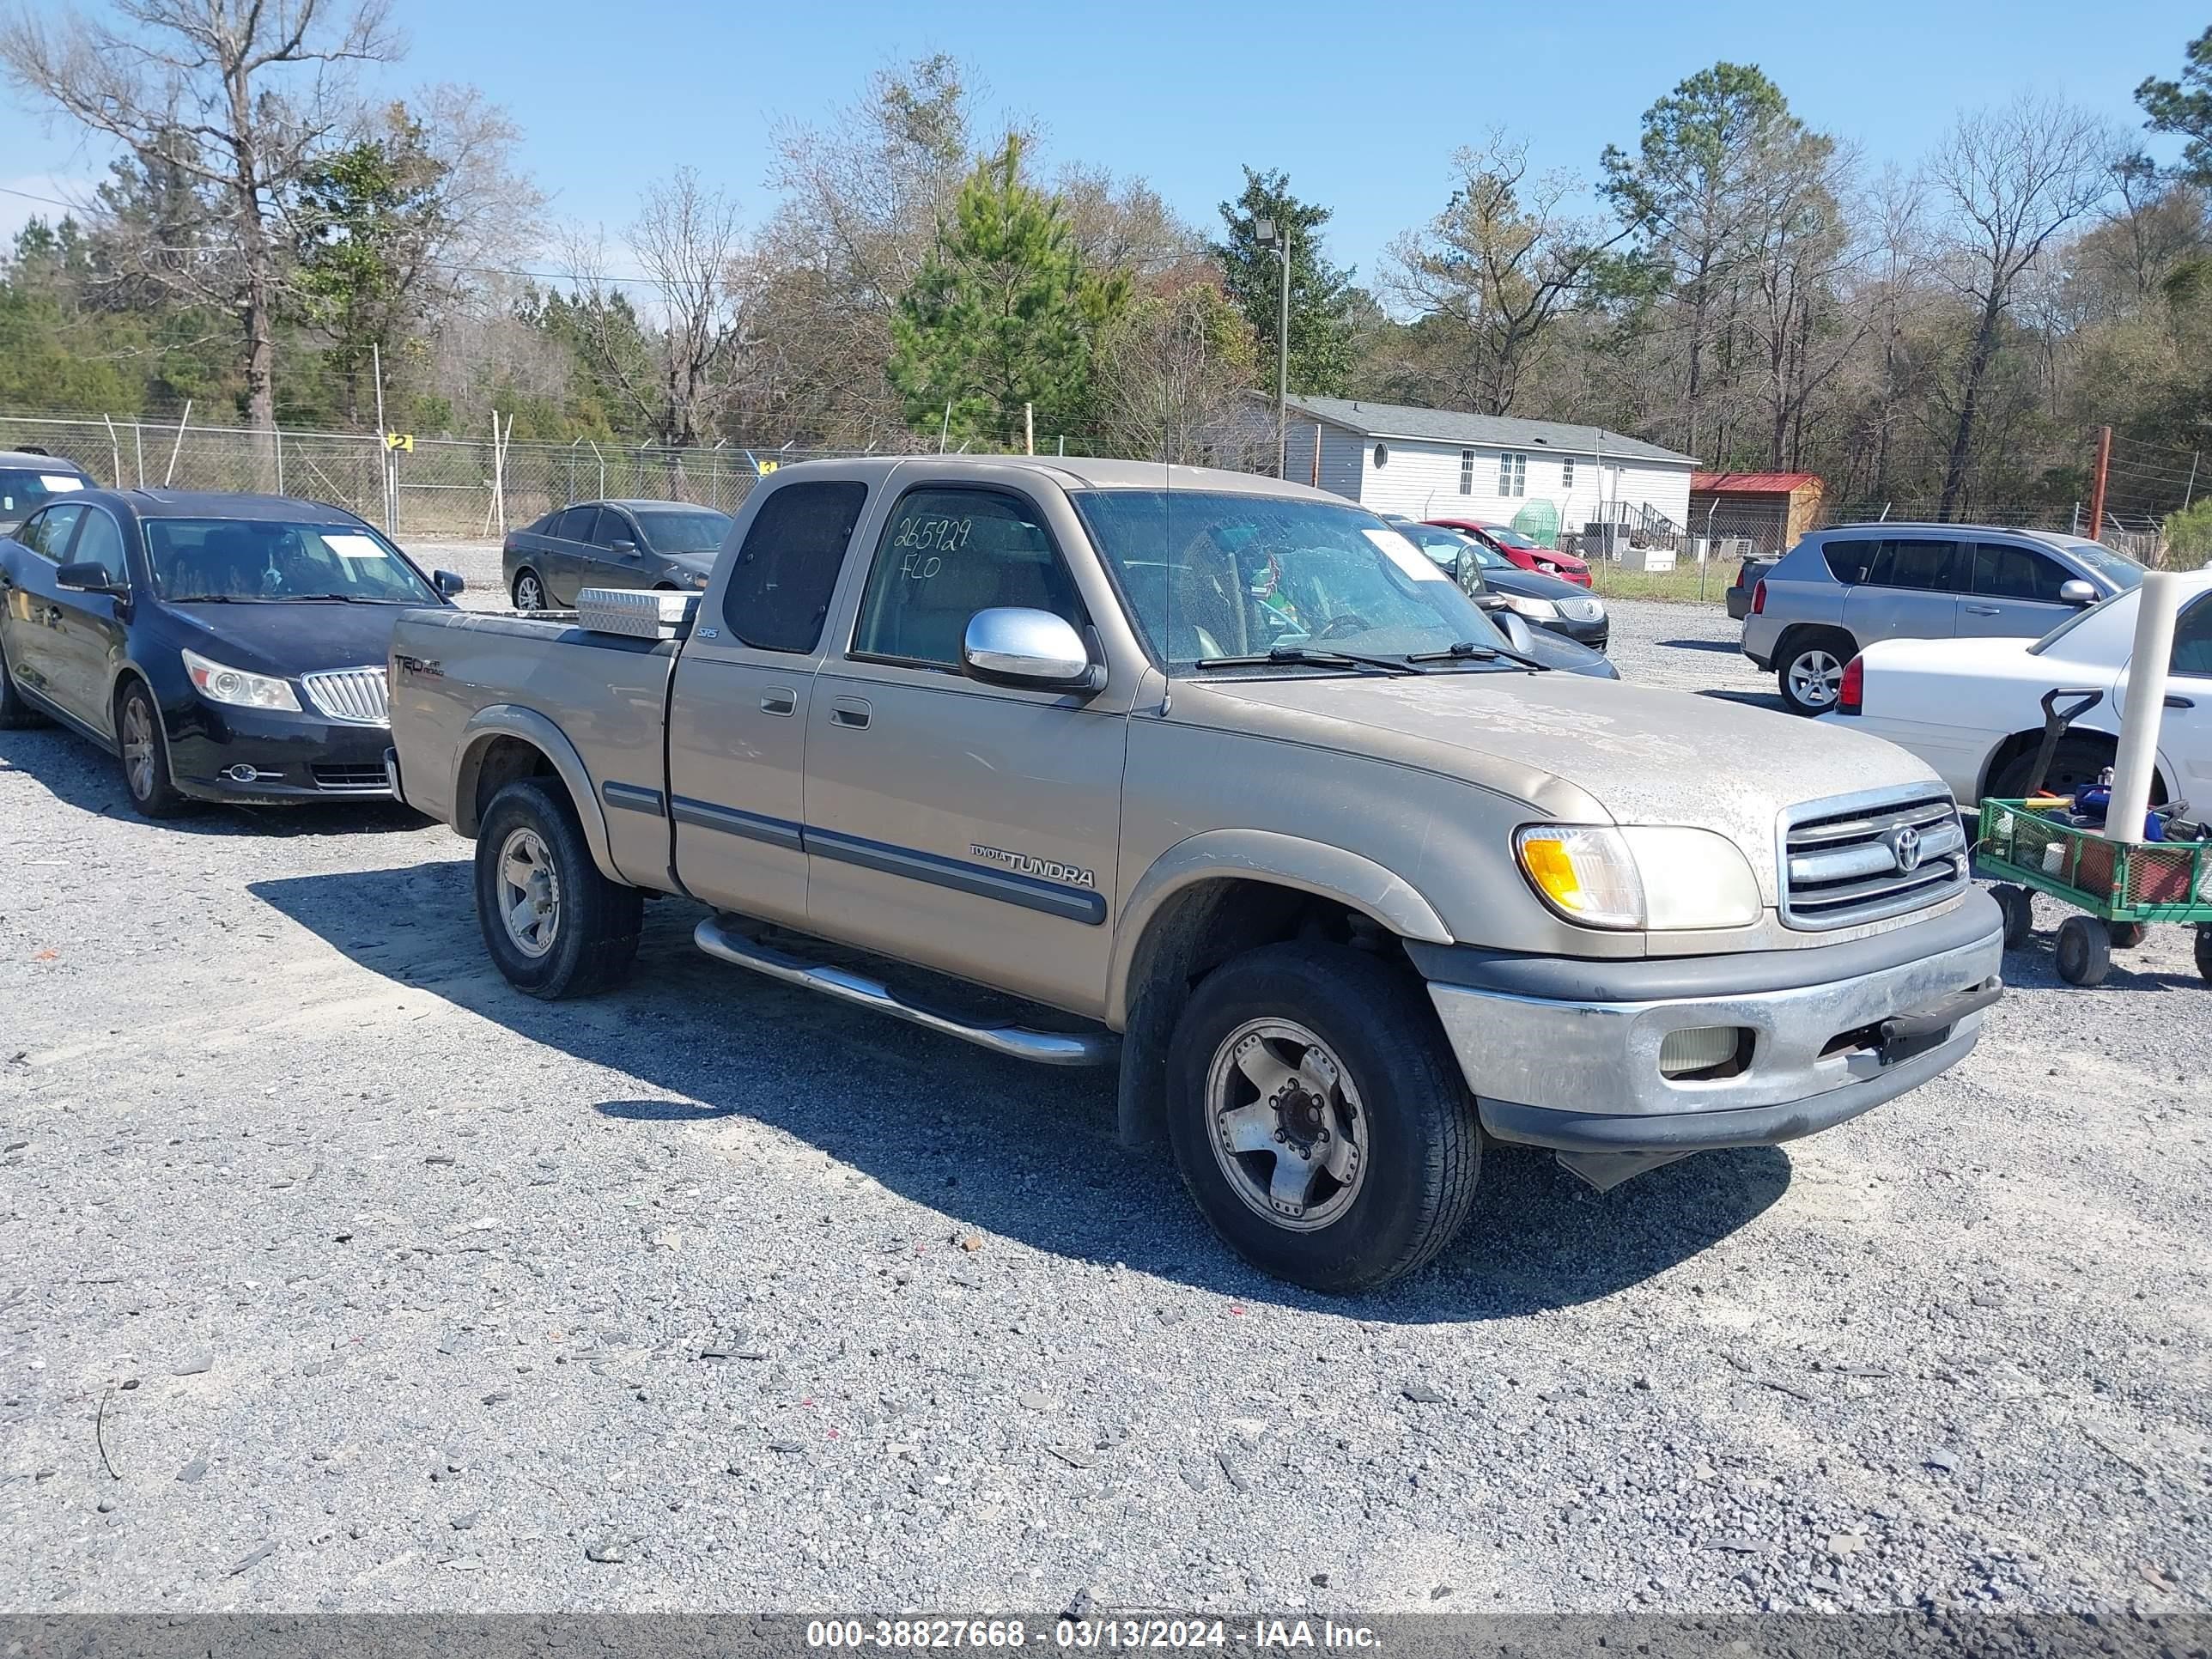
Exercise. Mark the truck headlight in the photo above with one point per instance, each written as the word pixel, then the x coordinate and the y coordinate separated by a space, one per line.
pixel 218 683
pixel 1662 878
pixel 1535 610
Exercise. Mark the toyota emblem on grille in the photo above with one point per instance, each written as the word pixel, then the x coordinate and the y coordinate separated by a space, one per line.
pixel 1905 848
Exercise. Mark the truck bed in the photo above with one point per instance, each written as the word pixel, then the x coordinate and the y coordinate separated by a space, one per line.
pixel 456 674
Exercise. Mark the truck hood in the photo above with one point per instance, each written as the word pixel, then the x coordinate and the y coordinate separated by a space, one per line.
pixel 1573 749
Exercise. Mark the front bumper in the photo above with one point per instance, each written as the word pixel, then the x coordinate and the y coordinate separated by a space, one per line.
pixel 1594 634
pixel 292 757
pixel 1566 1053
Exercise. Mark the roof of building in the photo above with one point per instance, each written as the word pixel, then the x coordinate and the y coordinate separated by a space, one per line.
pixel 1447 425
pixel 1751 483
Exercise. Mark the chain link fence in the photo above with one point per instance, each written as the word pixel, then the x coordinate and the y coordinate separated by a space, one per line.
pixel 441 489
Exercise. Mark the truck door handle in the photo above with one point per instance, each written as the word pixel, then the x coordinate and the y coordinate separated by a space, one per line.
pixel 852 712
pixel 1981 610
pixel 779 701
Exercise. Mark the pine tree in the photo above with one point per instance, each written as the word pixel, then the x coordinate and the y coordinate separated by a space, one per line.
pixel 1321 294
pixel 1001 316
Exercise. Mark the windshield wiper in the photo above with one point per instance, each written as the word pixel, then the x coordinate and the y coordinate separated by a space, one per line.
pixel 1468 650
pixel 1307 657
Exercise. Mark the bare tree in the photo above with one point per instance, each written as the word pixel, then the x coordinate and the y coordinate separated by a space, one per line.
pixel 1171 379
pixel 672 362
pixel 1496 269
pixel 2007 182
pixel 238 98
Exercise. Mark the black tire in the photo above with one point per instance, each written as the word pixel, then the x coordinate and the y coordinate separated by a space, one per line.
pixel 2017 905
pixel 592 939
pixel 1422 1145
pixel 1808 658
pixel 146 776
pixel 2076 761
pixel 2126 935
pixel 2085 950
pixel 2204 954
pixel 514 590
pixel 15 714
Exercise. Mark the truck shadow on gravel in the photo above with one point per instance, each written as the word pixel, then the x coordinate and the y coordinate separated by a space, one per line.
pixel 77 774
pixel 990 1144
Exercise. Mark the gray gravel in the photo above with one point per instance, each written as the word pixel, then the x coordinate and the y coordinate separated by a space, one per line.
pixel 334 1275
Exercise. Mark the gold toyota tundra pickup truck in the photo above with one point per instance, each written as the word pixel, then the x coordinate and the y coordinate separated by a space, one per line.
pixel 1235 789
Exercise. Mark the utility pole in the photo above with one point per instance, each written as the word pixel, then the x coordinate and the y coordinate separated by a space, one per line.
pixel 2097 483
pixel 1277 237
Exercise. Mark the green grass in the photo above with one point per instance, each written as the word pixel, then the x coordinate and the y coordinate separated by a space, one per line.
pixel 1677 586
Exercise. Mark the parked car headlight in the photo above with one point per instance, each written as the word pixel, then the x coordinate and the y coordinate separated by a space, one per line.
pixel 1533 609
pixel 219 683
pixel 1662 878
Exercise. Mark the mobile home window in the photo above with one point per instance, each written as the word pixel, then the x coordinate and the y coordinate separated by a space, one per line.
pixel 1512 475
pixel 1467 472
pixel 1567 473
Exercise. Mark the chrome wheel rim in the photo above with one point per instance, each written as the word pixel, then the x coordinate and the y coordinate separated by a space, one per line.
pixel 138 748
pixel 1288 1128
pixel 529 893
pixel 1815 677
pixel 528 596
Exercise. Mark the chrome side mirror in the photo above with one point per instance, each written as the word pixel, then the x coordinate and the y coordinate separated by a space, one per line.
pixel 2077 592
pixel 1012 646
pixel 1508 622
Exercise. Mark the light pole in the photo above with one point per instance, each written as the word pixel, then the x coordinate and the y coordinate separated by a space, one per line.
pixel 1278 240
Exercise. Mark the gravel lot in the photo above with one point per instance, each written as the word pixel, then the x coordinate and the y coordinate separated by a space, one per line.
pixel 333 1274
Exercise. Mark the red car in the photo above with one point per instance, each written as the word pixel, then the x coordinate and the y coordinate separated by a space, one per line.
pixel 1505 539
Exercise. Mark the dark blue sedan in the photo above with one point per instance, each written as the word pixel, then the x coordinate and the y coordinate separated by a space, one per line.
pixel 224 648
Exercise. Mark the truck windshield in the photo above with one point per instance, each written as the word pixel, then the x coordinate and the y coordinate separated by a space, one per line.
pixel 1210 574
pixel 241 559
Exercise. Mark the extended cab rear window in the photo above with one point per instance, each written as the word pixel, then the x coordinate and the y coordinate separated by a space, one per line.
pixel 778 595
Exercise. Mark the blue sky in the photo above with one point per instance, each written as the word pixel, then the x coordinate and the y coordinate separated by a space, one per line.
pixel 1361 103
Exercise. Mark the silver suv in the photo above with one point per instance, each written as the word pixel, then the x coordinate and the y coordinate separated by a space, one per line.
pixel 1841 589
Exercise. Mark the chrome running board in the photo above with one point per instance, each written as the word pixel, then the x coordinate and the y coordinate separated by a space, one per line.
pixel 718 939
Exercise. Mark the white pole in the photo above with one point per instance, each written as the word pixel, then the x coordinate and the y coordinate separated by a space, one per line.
pixel 184 421
pixel 115 452
pixel 2159 598
pixel 138 448
pixel 1029 428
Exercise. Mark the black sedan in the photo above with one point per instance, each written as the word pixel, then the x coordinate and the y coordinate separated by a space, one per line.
pixel 1559 607
pixel 1541 645
pixel 1740 591
pixel 225 648
pixel 623 544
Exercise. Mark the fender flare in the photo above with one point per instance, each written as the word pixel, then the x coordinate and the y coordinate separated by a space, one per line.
pixel 1265 855
pixel 506 719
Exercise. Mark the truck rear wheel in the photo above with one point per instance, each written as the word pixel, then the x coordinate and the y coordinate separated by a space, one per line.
pixel 555 925
pixel 1318 1119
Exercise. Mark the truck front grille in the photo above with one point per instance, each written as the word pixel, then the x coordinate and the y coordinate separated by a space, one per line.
pixel 1862 858
pixel 350 697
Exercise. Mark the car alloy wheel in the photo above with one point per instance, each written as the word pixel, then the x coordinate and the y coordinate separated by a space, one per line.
pixel 528 594
pixel 1288 1129
pixel 141 757
pixel 529 892
pixel 1815 677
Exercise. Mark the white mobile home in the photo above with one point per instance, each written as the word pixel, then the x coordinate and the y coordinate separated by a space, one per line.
pixel 1438 464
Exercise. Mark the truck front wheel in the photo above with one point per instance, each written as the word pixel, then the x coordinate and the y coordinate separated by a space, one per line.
pixel 1318 1118
pixel 556 926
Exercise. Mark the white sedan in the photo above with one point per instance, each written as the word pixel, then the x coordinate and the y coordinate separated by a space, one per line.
pixel 1973 708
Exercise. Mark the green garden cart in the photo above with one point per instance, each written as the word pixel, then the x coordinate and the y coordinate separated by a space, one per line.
pixel 2119 887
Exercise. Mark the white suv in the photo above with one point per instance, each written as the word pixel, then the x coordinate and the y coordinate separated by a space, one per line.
pixel 1846 586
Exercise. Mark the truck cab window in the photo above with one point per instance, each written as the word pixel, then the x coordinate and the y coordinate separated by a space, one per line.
pixel 779 585
pixel 945 555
